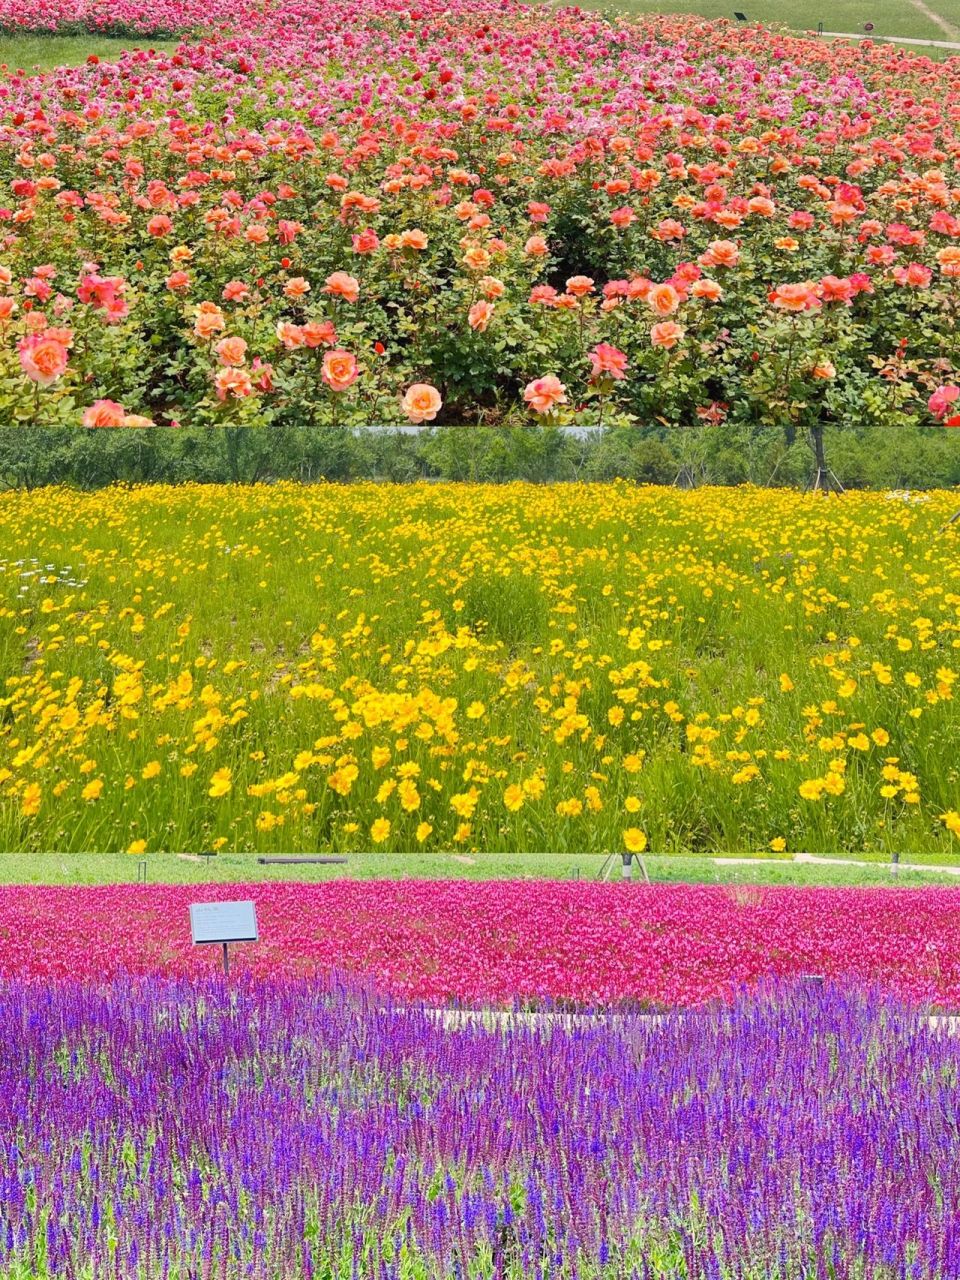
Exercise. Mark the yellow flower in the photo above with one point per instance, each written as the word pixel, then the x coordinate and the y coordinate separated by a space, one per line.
pixel 92 790
pixel 138 846
pixel 475 711
pixel 380 830
pixel 220 784
pixel 778 844
pixel 30 801
pixel 811 789
pixel 786 684
pixel 342 780
pixel 951 820
pixel 409 795
pixel 571 808
pixel 634 840
pixel 513 797
pixel 151 770
pixel 424 829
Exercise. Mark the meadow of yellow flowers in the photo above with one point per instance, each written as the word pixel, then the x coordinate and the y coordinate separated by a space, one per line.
pixel 591 667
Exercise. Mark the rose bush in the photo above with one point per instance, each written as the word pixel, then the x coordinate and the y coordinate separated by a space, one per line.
pixel 391 214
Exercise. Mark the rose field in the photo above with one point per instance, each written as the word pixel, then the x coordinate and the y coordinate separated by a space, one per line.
pixel 485 213
pixel 517 668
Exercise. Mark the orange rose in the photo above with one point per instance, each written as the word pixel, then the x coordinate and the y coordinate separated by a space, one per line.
pixel 480 315
pixel 579 286
pixel 233 382
pixel 231 350
pixel 209 320
pixel 340 370
pixel 476 258
pixel 666 334
pixel 42 358
pixel 342 285
pixel 720 253
pixel 663 299
pixel 421 402
pixel 544 394
pixel 104 413
pixel 291 335
pixel 795 297
pixel 707 289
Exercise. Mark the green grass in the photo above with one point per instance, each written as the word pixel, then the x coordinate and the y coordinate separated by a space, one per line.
pixel 167 868
pixel 43 52
pixel 888 18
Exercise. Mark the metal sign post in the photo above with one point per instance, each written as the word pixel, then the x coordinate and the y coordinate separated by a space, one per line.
pixel 222 923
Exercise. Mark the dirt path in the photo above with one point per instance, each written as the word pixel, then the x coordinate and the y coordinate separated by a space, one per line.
pixel 948 29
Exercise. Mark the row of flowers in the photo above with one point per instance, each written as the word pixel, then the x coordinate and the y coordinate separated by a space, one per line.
pixel 662 946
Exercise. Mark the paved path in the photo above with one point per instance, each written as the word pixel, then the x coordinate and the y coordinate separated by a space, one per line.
pixel 506 1019
pixel 815 859
pixel 861 35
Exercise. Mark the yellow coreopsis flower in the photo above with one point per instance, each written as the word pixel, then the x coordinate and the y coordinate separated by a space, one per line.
pixel 220 784
pixel 513 797
pixel 634 840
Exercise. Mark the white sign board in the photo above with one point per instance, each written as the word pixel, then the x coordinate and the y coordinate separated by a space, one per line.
pixel 223 922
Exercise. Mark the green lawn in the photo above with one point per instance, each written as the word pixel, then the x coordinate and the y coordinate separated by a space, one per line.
pixel 171 868
pixel 41 52
pixel 890 18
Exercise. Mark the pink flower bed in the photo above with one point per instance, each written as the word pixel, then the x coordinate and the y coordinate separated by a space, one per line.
pixel 438 940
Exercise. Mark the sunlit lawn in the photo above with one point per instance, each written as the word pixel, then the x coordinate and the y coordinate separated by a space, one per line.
pixel 41 52
pixel 168 868
pixel 888 18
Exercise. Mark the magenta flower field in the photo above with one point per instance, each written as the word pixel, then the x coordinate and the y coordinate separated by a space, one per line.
pixel 497 942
